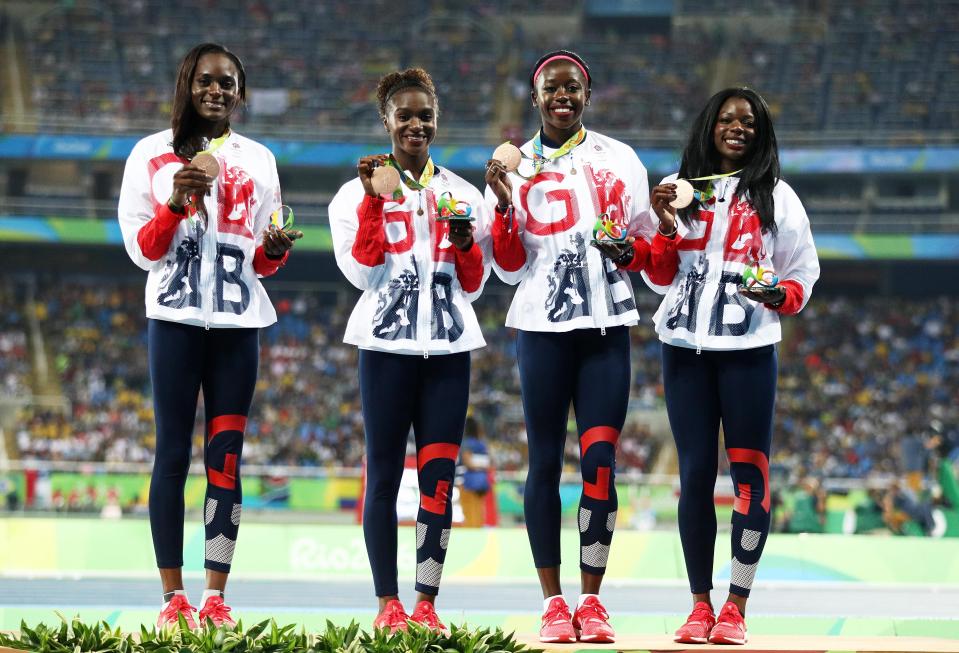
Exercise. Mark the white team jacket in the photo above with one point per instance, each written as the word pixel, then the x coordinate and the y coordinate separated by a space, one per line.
pixel 206 276
pixel 564 283
pixel 702 309
pixel 413 301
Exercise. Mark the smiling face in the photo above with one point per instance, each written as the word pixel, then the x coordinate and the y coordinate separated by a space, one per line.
pixel 734 133
pixel 561 95
pixel 215 90
pixel 411 121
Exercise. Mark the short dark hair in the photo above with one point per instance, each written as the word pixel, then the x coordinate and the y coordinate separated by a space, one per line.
pixel 185 118
pixel 560 53
pixel 395 82
pixel 760 172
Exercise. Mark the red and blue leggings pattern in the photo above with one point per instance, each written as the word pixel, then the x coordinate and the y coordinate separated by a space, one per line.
pixel 184 360
pixel 429 395
pixel 590 370
pixel 737 389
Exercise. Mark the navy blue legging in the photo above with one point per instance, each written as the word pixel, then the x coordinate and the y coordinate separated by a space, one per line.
pixel 223 362
pixel 592 371
pixel 400 391
pixel 737 388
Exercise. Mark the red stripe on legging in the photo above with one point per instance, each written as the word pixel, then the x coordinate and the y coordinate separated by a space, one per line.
pixel 743 499
pixel 222 423
pixel 600 489
pixel 597 434
pixel 757 458
pixel 227 478
pixel 436 504
pixel 434 451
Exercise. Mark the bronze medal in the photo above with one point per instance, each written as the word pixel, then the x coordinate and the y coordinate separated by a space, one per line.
pixel 684 194
pixel 509 155
pixel 385 180
pixel 207 163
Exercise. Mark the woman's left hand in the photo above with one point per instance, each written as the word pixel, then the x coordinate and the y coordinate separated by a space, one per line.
pixel 620 253
pixel 764 295
pixel 461 234
pixel 276 242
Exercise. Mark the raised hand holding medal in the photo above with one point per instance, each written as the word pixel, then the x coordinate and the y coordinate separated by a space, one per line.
pixel 377 177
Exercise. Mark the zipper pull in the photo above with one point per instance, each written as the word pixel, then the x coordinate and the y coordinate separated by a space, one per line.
pixel 207 325
pixel 699 349
pixel 602 331
pixel 426 354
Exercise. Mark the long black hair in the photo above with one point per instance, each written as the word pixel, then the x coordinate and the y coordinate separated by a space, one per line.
pixel 185 119
pixel 760 170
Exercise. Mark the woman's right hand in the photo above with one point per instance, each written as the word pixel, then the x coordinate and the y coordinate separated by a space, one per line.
pixel 659 199
pixel 365 168
pixel 189 181
pixel 498 181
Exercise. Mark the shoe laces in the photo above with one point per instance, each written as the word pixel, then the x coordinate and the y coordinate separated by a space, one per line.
pixel 425 614
pixel 730 614
pixel 215 609
pixel 702 612
pixel 557 611
pixel 395 614
pixel 179 603
pixel 592 609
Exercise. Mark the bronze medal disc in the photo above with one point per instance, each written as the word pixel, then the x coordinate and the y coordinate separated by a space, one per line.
pixel 684 194
pixel 509 155
pixel 207 163
pixel 385 180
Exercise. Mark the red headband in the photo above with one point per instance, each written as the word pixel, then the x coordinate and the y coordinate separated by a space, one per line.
pixel 554 58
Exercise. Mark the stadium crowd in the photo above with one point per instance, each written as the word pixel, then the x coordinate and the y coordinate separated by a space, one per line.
pixel 822 66
pixel 864 384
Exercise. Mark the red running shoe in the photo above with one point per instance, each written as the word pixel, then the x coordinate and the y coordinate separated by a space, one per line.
pixel 557 624
pixel 169 616
pixel 730 626
pixel 393 617
pixel 698 625
pixel 591 622
pixel 425 613
pixel 216 611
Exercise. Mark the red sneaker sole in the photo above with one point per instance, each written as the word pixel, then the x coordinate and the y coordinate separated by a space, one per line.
pixel 557 640
pixel 690 640
pixel 597 639
pixel 728 640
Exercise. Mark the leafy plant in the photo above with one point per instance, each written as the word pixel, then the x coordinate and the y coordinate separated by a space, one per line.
pixel 265 637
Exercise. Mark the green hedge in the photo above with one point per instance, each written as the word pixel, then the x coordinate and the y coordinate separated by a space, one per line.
pixel 265 637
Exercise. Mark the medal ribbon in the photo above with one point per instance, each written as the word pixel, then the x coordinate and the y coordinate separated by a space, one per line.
pixel 707 193
pixel 216 143
pixel 539 159
pixel 212 146
pixel 407 179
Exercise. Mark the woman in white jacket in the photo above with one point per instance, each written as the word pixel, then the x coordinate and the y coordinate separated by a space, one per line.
pixel 573 309
pixel 420 262
pixel 718 337
pixel 204 233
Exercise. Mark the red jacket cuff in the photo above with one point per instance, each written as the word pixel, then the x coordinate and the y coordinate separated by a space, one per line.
pixel 264 266
pixel 508 250
pixel 469 267
pixel 794 298
pixel 640 256
pixel 663 260
pixel 370 244
pixel 155 236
